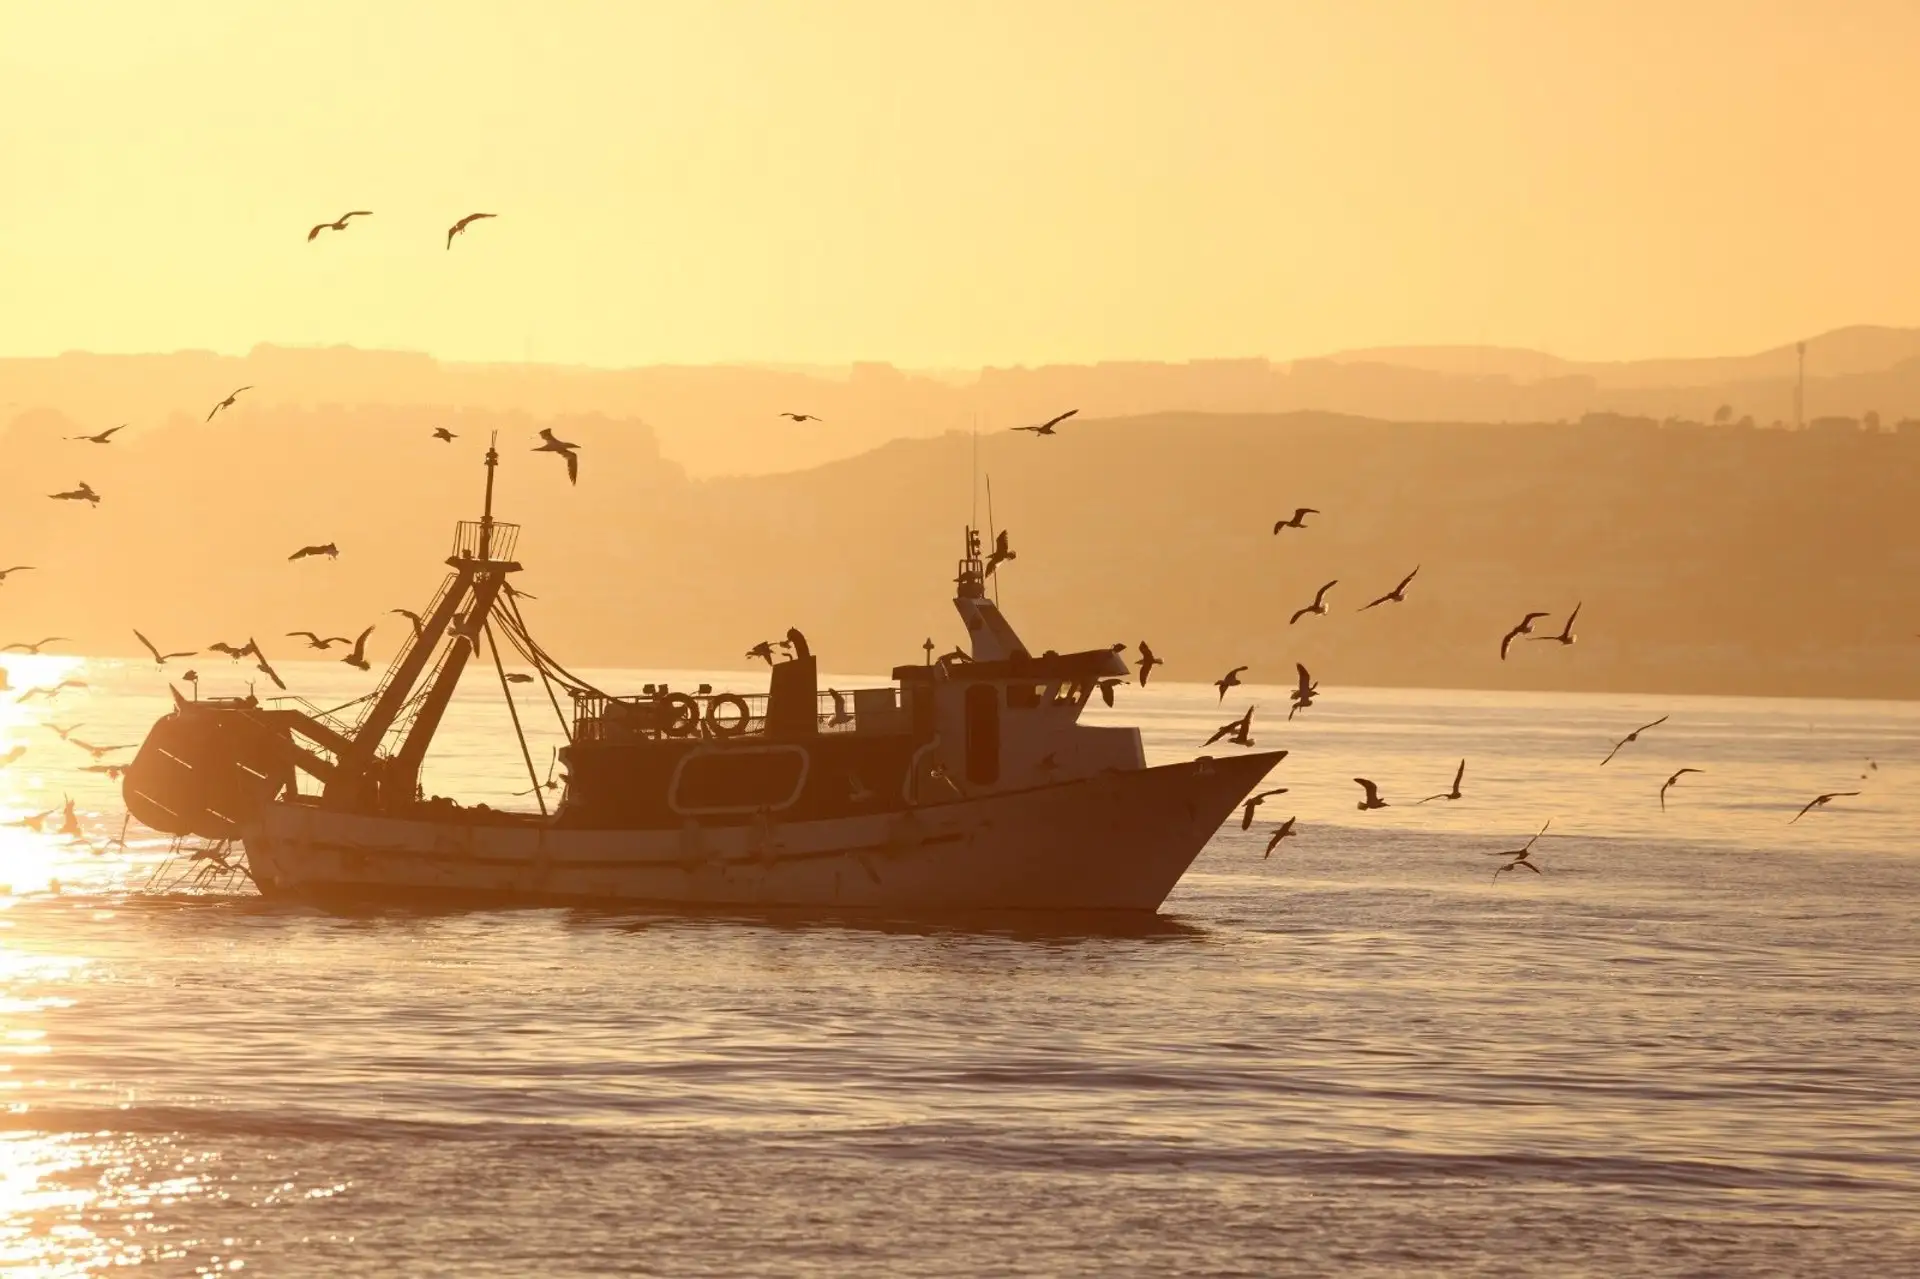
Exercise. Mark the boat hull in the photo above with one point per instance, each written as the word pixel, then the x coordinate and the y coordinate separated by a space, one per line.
pixel 1119 841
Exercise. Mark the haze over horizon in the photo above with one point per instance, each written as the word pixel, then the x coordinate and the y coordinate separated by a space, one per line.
pixel 719 184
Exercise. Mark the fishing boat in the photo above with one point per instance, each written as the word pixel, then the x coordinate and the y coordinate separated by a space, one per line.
pixel 968 783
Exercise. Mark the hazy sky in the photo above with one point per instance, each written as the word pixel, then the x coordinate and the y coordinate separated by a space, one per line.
pixel 949 184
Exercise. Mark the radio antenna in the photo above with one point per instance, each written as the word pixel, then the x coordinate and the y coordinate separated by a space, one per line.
pixel 991 539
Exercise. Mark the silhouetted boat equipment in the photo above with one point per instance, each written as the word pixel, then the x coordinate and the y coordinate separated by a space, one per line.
pixel 967 784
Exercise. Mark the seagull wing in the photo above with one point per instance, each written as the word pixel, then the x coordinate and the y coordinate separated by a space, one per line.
pixel 148 645
pixel 1458 774
pixel 1320 595
pixel 1055 421
pixel 573 468
pixel 1373 791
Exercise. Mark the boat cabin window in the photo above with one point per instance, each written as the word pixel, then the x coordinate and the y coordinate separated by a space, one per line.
pixel 1024 696
pixel 983 734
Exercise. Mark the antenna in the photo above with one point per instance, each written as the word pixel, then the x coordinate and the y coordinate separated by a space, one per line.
pixel 486 514
pixel 973 518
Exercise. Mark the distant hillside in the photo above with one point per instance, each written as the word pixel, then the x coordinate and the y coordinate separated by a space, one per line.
pixel 1707 560
pixel 727 420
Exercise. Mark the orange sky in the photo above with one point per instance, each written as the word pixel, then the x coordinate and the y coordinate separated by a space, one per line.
pixel 951 185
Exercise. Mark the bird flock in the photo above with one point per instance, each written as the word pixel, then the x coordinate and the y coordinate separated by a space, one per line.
pixel 1239 731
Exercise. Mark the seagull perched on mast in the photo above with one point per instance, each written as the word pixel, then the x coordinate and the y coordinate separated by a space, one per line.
pixel 1046 427
pixel 338 224
pixel 554 444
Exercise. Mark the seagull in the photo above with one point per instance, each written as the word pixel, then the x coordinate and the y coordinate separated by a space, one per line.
pixel 34 821
pixel 1000 554
pixel 1299 519
pixel 840 713
pixel 1302 693
pixel 1253 802
pixel 554 444
pixel 321 642
pixel 1286 829
pixel 64 734
pixel 340 224
pixel 1525 628
pixel 1147 662
pixel 463 223
pixel 549 784
pixel 5 573
pixel 442 433
pixel 519 677
pixel 1046 427
pixel 797 418
pixel 764 649
pixel 1227 681
pixel 1106 687
pixel 1373 799
pixel 159 658
pixel 1520 855
pixel 1236 732
pixel 1668 785
pixel 796 643
pixel 358 657
pixel 105 437
pixel 234 652
pixel 34 649
pixel 84 493
pixel 1319 605
pixel 328 549
pixel 100 752
pixel 50 692
pixel 263 666
pixel 1566 635
pixel 69 822
pixel 1821 801
pixel 412 617
pixel 113 772
pixel 1458 773
pixel 1634 736
pixel 1398 595
pixel 227 403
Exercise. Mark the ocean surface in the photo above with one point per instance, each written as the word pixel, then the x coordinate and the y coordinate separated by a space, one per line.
pixel 1690 1046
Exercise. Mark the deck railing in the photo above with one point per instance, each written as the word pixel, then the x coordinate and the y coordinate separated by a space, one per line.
pixel 500 540
pixel 598 718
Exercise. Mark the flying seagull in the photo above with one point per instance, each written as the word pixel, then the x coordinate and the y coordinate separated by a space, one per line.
pixel 263 665
pixel 1458 773
pixel 464 223
pixel 797 418
pixel 1319 605
pixel 105 437
pixel 358 657
pixel 159 658
pixel 1235 732
pixel 442 433
pixel 412 617
pixel 328 549
pixel 1398 595
pixel 84 493
pixel 554 444
pixel 1668 785
pixel 1373 799
pixel 34 649
pixel 764 649
pixel 1520 855
pixel 1524 628
pixel 999 555
pixel 1046 427
pixel 1299 519
pixel 1634 736
pixel 338 224
pixel 1106 687
pixel 1147 662
pixel 234 652
pixel 1253 802
pixel 226 403
pixel 1821 801
pixel 321 642
pixel 1286 829
pixel 1566 635
pixel 1304 692
pixel 1230 680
